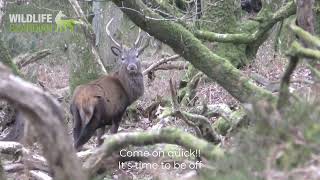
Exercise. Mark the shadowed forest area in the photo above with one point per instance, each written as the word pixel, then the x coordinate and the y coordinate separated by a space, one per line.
pixel 159 89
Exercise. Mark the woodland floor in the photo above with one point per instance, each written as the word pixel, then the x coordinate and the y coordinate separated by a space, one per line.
pixel 55 76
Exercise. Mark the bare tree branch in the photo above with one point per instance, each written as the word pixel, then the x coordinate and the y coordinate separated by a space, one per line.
pixel 46 117
pixel 38 175
pixel 7 147
pixel 266 24
pixel 89 34
pixel 200 123
pixel 160 62
pixel 26 59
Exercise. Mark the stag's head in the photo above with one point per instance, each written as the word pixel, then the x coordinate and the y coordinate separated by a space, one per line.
pixel 129 56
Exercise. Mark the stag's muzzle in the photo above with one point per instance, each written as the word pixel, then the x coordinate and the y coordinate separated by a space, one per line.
pixel 132 68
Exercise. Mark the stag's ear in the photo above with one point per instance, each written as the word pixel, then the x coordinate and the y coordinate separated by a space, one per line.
pixel 116 51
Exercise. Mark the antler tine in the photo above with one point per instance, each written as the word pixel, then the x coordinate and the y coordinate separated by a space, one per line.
pixel 146 44
pixel 138 40
pixel 109 34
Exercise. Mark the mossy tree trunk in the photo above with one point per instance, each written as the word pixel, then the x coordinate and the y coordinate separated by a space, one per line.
pixel 221 17
pixel 230 37
pixel 183 42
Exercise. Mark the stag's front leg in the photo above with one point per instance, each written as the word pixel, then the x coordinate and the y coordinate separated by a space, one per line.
pixel 114 127
pixel 115 124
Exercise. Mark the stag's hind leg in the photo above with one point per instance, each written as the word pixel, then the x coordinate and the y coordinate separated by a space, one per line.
pixel 94 123
pixel 87 133
pixel 77 123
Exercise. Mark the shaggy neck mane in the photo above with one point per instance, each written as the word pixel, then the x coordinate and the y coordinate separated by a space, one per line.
pixel 132 83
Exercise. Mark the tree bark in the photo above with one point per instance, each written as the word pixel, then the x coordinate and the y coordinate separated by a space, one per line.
pixel 3 4
pixel 89 34
pixel 46 117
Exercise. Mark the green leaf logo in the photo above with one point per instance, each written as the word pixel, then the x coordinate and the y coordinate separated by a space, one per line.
pixel 63 24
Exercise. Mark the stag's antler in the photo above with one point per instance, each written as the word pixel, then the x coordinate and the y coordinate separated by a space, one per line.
pixel 139 38
pixel 109 34
pixel 146 44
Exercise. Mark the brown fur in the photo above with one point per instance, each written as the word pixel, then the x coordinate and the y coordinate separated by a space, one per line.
pixel 103 102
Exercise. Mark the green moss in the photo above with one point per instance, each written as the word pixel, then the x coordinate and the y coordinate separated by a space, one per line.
pixel 6 58
pixel 236 120
pixel 172 151
pixel 219 18
pixel 286 35
pixel 222 126
pixel 293 156
pixel 313 133
pixel 235 53
pixel 294 139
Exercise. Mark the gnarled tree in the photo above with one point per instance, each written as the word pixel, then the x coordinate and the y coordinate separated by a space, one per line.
pixel 186 41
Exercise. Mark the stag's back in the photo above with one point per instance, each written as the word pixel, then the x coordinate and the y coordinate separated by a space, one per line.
pixel 88 97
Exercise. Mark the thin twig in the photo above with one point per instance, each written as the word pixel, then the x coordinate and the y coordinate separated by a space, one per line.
pixel 160 62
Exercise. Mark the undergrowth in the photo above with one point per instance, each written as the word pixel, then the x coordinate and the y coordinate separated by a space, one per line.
pixel 274 144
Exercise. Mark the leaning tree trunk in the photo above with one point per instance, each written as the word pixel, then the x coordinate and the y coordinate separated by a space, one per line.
pixel 220 17
pixel 188 46
pixel 234 39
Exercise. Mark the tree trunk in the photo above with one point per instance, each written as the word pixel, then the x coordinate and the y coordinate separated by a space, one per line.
pixel 220 17
pixel 184 43
pixel 317 17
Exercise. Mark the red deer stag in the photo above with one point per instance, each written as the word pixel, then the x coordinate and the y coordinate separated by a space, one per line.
pixel 103 101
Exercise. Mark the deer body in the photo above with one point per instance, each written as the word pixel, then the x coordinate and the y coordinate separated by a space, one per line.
pixel 103 101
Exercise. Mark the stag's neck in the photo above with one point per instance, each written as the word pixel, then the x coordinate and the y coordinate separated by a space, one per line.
pixel 132 84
